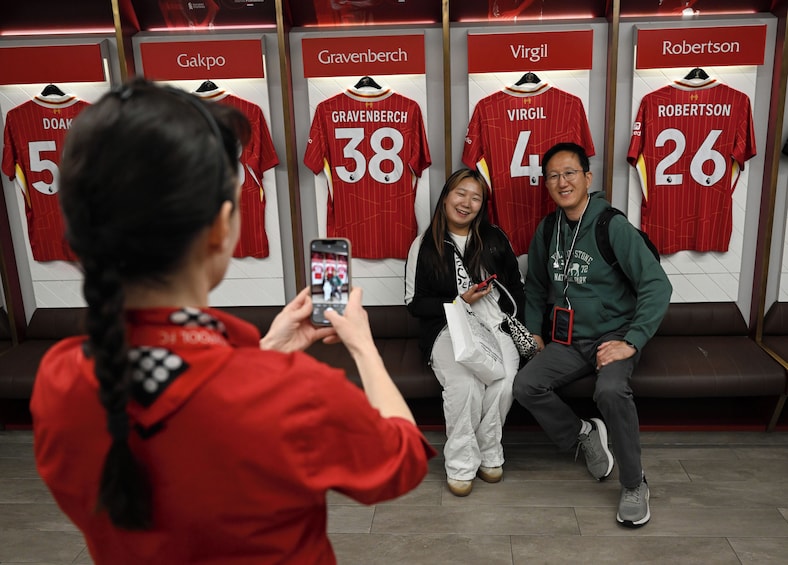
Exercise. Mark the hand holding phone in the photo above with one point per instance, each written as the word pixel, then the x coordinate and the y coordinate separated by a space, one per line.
pixel 483 285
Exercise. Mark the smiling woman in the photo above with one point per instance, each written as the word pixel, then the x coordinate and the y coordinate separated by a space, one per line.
pixel 462 204
pixel 445 264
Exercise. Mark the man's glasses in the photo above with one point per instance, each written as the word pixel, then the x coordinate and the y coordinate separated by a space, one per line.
pixel 569 176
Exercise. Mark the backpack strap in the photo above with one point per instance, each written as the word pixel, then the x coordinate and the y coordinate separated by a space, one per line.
pixel 603 236
pixel 549 227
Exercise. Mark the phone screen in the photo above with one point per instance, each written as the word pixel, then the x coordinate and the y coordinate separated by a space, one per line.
pixel 563 320
pixel 330 277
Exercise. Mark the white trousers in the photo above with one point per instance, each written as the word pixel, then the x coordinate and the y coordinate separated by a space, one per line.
pixel 474 412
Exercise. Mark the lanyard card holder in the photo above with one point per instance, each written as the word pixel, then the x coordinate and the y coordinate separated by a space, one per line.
pixel 563 320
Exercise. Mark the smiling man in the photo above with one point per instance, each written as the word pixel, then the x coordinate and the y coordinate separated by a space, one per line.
pixel 601 319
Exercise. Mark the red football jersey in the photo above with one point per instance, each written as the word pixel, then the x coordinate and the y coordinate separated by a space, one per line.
pixel 258 156
pixel 32 143
pixel 372 147
pixel 689 144
pixel 317 269
pixel 509 132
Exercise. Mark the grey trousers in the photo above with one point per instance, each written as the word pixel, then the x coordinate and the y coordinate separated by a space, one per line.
pixel 535 388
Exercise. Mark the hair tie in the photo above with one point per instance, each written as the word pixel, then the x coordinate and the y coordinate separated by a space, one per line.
pixel 118 425
pixel 124 92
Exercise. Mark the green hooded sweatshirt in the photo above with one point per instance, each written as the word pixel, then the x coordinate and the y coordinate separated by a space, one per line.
pixel 603 300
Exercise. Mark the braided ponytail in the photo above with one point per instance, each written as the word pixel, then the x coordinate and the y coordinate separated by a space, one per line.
pixel 124 490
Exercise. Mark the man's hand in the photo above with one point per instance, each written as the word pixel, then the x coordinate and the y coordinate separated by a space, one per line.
pixel 611 351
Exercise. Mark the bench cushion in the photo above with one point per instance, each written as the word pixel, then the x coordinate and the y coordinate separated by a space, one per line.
pixel 402 358
pixel 701 350
pixel 18 367
pixel 5 331
pixel 700 366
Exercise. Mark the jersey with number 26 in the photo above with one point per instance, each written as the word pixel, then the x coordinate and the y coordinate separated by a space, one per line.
pixel 689 144
pixel 372 148
pixel 32 143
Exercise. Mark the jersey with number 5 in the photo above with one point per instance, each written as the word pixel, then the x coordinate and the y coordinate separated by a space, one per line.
pixel 689 144
pixel 372 148
pixel 32 143
pixel 508 133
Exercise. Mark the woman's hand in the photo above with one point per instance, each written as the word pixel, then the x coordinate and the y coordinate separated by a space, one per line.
pixel 473 294
pixel 352 327
pixel 292 329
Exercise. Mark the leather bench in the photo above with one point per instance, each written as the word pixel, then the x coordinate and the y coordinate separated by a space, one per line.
pixel 775 329
pixel 700 351
pixel 703 350
pixel 19 364
pixel 774 341
pixel 5 332
pixel 396 334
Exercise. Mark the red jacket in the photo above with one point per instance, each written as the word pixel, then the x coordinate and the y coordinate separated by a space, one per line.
pixel 241 447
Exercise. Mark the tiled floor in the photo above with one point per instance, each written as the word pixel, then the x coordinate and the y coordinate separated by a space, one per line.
pixel 716 498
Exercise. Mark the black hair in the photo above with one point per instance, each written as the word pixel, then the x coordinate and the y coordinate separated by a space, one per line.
pixel 143 172
pixel 569 147
pixel 439 229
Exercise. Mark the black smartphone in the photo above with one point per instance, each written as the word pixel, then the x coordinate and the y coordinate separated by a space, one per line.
pixel 329 268
pixel 485 282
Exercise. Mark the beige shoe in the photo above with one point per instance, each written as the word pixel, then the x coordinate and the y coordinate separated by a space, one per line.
pixel 490 474
pixel 460 488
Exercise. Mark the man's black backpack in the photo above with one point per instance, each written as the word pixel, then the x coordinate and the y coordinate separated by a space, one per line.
pixel 602 236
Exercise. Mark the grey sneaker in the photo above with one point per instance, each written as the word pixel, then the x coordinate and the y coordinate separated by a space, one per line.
pixel 599 460
pixel 633 510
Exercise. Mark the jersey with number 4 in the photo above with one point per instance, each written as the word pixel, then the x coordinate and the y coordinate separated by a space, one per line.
pixel 508 133
pixel 689 144
pixel 258 156
pixel 372 148
pixel 32 143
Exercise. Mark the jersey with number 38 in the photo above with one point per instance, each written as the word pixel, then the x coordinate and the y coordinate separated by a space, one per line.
pixel 508 133
pixel 372 148
pixel 689 144
pixel 32 143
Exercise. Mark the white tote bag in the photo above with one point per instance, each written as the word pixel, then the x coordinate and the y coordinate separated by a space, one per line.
pixel 474 342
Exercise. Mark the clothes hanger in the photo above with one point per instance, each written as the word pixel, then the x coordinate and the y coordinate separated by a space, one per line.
pixel 528 78
pixel 206 86
pixel 368 82
pixel 696 73
pixel 51 89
